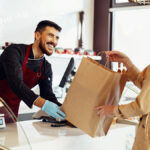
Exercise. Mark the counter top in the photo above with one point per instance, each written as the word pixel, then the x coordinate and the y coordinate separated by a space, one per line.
pixel 36 135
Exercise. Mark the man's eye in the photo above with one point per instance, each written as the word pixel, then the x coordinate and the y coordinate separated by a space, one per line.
pixel 51 35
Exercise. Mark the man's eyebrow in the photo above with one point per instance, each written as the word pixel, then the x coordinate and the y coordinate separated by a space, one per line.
pixel 51 34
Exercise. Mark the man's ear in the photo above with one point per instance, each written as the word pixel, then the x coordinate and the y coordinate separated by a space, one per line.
pixel 37 36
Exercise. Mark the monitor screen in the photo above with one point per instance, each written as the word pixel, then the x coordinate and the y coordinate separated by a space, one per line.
pixel 68 71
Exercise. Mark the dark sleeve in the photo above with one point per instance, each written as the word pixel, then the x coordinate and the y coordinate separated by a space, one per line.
pixel 45 84
pixel 11 61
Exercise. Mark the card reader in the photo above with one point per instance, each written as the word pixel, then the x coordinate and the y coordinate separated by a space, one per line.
pixel 2 121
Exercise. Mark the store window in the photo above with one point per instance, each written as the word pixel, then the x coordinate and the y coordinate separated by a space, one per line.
pixel 131 35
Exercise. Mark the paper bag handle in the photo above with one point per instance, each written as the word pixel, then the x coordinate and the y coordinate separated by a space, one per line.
pixel 101 53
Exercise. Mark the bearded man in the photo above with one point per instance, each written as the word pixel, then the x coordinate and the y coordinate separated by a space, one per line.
pixel 24 66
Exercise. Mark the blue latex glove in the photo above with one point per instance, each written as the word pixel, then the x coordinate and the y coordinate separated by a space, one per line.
pixel 53 110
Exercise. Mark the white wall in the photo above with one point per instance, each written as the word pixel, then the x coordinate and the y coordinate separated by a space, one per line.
pixel 88 26
pixel 18 20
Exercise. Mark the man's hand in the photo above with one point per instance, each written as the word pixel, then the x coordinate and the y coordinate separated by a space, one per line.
pixel 53 110
pixel 105 110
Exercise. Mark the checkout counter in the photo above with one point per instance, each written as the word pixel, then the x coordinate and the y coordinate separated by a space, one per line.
pixel 38 135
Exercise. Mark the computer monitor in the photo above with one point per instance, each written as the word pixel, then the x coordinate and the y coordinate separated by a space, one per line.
pixel 68 72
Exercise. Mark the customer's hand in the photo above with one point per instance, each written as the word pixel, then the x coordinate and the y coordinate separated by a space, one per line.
pixel 105 110
pixel 116 56
pixel 53 110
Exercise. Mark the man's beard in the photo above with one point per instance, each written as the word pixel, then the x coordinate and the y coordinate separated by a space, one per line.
pixel 43 49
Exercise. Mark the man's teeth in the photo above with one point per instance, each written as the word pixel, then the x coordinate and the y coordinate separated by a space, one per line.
pixel 50 46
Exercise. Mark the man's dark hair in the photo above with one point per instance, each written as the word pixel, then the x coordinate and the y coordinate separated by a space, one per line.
pixel 41 25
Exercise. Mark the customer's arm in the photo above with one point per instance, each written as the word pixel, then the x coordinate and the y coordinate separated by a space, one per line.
pixel 141 105
pixel 137 77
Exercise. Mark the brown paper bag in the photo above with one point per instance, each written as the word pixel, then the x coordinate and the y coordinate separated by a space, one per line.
pixel 93 85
